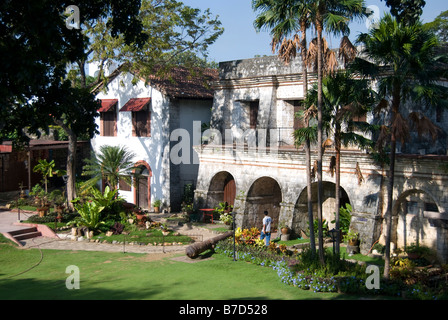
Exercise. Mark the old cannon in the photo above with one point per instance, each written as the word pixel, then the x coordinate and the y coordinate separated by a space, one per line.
pixel 197 248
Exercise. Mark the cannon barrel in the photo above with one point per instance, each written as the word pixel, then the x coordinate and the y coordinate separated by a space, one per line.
pixel 197 248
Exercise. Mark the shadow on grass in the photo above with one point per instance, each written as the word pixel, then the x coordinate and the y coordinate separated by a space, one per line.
pixel 32 289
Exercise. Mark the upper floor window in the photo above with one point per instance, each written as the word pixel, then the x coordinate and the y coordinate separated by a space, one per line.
pixel 253 113
pixel 141 123
pixel 108 118
pixel 141 116
pixel 298 108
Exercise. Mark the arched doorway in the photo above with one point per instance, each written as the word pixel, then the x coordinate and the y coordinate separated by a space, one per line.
pixel 412 222
pixel 265 194
pixel 142 185
pixel 300 217
pixel 222 189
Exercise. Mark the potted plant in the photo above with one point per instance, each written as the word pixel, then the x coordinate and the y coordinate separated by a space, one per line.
pixel 58 200
pixel 352 238
pixel 42 211
pixel 285 229
pixel 156 204
pixel 140 215
pixel 226 218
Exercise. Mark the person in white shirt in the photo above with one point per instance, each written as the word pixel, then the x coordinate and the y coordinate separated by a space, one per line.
pixel 266 231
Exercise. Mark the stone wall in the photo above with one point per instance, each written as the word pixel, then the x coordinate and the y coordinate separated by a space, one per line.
pixel 275 87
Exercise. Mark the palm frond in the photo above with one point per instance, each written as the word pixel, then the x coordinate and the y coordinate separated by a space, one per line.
pixel 305 134
pixel 400 128
pixel 332 165
pixel 383 137
pixel 424 125
pixel 359 174
pixel 347 51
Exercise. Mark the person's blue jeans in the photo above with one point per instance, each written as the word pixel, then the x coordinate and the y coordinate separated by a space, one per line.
pixel 266 236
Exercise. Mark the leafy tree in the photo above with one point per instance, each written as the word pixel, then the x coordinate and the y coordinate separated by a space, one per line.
pixel 403 59
pixel 36 47
pixel 38 88
pixel 440 27
pixel 406 12
pixel 175 34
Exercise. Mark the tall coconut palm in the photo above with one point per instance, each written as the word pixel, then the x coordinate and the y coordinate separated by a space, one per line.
pixel 333 16
pixel 404 61
pixel 112 163
pixel 285 19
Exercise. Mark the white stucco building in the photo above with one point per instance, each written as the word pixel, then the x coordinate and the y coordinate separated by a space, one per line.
pixel 143 117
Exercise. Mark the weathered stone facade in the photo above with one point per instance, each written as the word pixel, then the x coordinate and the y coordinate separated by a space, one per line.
pixel 270 174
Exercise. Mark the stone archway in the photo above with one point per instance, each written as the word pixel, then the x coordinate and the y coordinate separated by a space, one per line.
pixel 300 217
pixel 222 188
pixel 264 195
pixel 412 219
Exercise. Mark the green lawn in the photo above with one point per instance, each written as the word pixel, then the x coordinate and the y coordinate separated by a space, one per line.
pixel 139 276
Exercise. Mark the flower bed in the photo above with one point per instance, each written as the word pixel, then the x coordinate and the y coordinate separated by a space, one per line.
pixel 304 271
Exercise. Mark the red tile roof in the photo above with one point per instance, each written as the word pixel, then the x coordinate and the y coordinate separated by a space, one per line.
pixel 107 104
pixel 185 83
pixel 135 104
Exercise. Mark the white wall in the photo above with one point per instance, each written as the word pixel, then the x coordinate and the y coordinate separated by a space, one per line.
pixel 155 149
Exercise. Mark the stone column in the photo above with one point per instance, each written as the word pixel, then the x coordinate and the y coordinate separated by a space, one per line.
pixel 367 225
pixel 286 215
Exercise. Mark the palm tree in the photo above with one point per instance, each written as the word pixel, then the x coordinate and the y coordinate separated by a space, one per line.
pixel 343 99
pixel 333 16
pixel 286 18
pixel 404 61
pixel 112 163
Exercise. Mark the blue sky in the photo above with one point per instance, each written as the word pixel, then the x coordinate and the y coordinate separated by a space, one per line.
pixel 241 41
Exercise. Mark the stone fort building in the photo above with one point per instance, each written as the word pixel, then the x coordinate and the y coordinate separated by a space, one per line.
pixel 249 160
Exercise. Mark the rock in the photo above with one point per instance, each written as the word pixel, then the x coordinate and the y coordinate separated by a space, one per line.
pixel 109 233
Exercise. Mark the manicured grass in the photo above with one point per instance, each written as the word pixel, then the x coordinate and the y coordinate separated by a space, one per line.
pixel 139 276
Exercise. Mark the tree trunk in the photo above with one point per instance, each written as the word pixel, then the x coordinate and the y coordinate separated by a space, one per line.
pixel 310 196
pixel 391 177
pixel 71 162
pixel 196 249
pixel 319 27
pixel 71 167
pixel 338 184
pixel 307 142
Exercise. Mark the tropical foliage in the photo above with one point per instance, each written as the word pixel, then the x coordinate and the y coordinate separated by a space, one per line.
pixel 403 59
pixel 112 163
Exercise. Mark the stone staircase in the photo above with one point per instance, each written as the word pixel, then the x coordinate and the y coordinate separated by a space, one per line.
pixel 26 233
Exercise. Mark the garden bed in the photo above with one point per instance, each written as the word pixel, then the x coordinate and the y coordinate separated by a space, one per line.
pixel 305 271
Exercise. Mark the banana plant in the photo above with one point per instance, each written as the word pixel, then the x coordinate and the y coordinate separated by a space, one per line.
pixel 46 169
